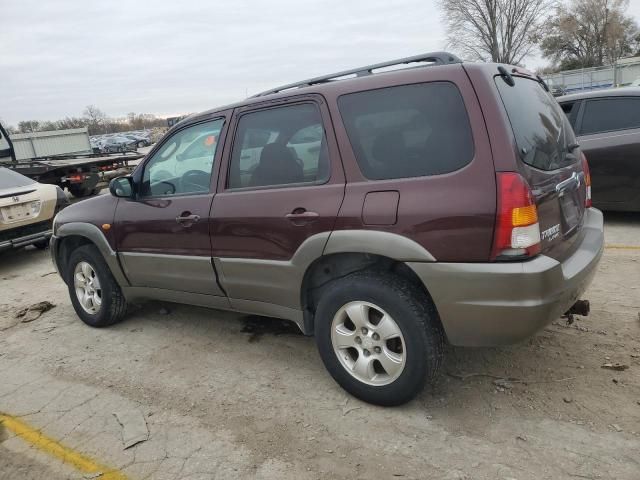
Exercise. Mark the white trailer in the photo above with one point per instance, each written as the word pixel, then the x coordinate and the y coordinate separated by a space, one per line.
pixel 73 141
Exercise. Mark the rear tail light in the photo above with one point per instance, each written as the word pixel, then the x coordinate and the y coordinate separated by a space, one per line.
pixel 76 178
pixel 587 181
pixel 517 232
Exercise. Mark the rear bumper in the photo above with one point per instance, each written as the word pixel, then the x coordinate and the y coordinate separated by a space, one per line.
pixel 25 240
pixel 488 304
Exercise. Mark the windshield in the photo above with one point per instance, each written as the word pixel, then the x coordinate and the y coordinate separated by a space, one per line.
pixel 541 129
pixel 11 179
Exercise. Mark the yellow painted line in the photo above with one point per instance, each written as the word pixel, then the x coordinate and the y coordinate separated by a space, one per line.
pixel 48 445
pixel 623 247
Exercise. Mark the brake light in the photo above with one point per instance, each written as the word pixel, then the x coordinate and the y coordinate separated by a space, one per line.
pixel 587 181
pixel 517 232
pixel 75 178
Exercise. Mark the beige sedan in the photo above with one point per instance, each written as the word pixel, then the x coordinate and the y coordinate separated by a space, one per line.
pixel 27 209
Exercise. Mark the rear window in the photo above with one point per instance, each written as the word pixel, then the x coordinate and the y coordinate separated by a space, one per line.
pixel 11 179
pixel 541 128
pixel 408 131
pixel 608 114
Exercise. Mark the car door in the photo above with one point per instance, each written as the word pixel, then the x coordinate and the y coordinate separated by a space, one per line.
pixel 609 135
pixel 163 232
pixel 280 190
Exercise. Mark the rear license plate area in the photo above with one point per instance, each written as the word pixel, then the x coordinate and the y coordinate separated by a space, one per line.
pixel 15 213
pixel 570 211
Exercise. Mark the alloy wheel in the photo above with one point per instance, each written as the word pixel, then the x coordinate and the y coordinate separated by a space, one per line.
pixel 87 286
pixel 368 343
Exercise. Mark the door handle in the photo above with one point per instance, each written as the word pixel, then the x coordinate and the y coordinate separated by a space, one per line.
pixel 576 178
pixel 187 219
pixel 300 216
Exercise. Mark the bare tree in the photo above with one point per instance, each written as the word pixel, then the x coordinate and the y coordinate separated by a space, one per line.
pixel 29 126
pixel 589 33
pixel 95 119
pixel 503 31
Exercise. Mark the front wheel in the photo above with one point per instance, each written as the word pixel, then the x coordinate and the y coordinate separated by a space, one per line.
pixel 95 295
pixel 379 337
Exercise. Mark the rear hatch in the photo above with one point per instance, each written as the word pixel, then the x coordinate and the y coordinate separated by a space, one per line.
pixel 549 160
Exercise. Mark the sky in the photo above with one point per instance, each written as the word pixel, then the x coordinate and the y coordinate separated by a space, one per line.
pixel 171 57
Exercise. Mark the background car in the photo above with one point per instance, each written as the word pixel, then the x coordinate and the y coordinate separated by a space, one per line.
pixel 118 144
pixel 607 125
pixel 139 139
pixel 27 209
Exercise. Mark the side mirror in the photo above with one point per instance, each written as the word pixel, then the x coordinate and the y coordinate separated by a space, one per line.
pixel 121 187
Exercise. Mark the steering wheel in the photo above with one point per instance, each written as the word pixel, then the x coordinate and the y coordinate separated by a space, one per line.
pixel 159 181
pixel 191 181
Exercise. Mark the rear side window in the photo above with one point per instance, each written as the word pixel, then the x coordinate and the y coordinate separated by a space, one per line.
pixel 608 114
pixel 570 109
pixel 541 128
pixel 408 131
pixel 279 147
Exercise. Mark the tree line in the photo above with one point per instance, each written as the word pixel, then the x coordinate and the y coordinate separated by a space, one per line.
pixel 95 120
pixel 570 34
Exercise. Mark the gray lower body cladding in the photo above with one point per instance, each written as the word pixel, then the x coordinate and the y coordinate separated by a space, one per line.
pixel 480 304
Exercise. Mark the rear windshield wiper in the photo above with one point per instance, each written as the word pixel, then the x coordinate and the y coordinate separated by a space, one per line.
pixel 572 146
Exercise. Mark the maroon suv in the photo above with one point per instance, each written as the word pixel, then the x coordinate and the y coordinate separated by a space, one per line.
pixel 382 212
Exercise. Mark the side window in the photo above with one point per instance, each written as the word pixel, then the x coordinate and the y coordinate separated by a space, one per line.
pixel 608 114
pixel 184 163
pixel 408 131
pixel 570 109
pixel 279 146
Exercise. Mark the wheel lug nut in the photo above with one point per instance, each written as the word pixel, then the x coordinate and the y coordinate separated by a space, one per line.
pixel 366 353
pixel 376 336
pixel 364 330
pixel 377 349
pixel 358 340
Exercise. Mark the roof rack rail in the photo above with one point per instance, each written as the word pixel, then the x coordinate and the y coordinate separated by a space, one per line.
pixel 436 58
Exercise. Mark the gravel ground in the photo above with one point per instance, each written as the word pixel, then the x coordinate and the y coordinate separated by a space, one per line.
pixel 220 402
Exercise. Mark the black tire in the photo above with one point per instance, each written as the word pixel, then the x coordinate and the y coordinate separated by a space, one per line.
pixel 41 244
pixel 413 313
pixel 80 192
pixel 141 144
pixel 114 305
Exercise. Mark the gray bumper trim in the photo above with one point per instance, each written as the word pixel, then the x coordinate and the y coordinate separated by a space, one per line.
pixel 486 304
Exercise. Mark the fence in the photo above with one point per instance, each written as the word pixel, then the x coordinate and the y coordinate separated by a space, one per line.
pixel 621 74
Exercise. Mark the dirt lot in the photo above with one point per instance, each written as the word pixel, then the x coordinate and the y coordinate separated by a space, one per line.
pixel 222 403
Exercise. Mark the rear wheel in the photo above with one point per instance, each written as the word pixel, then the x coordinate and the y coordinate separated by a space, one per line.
pixel 379 337
pixel 80 192
pixel 95 295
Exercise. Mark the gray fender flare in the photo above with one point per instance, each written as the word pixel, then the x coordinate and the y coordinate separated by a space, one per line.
pixel 95 235
pixel 377 242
